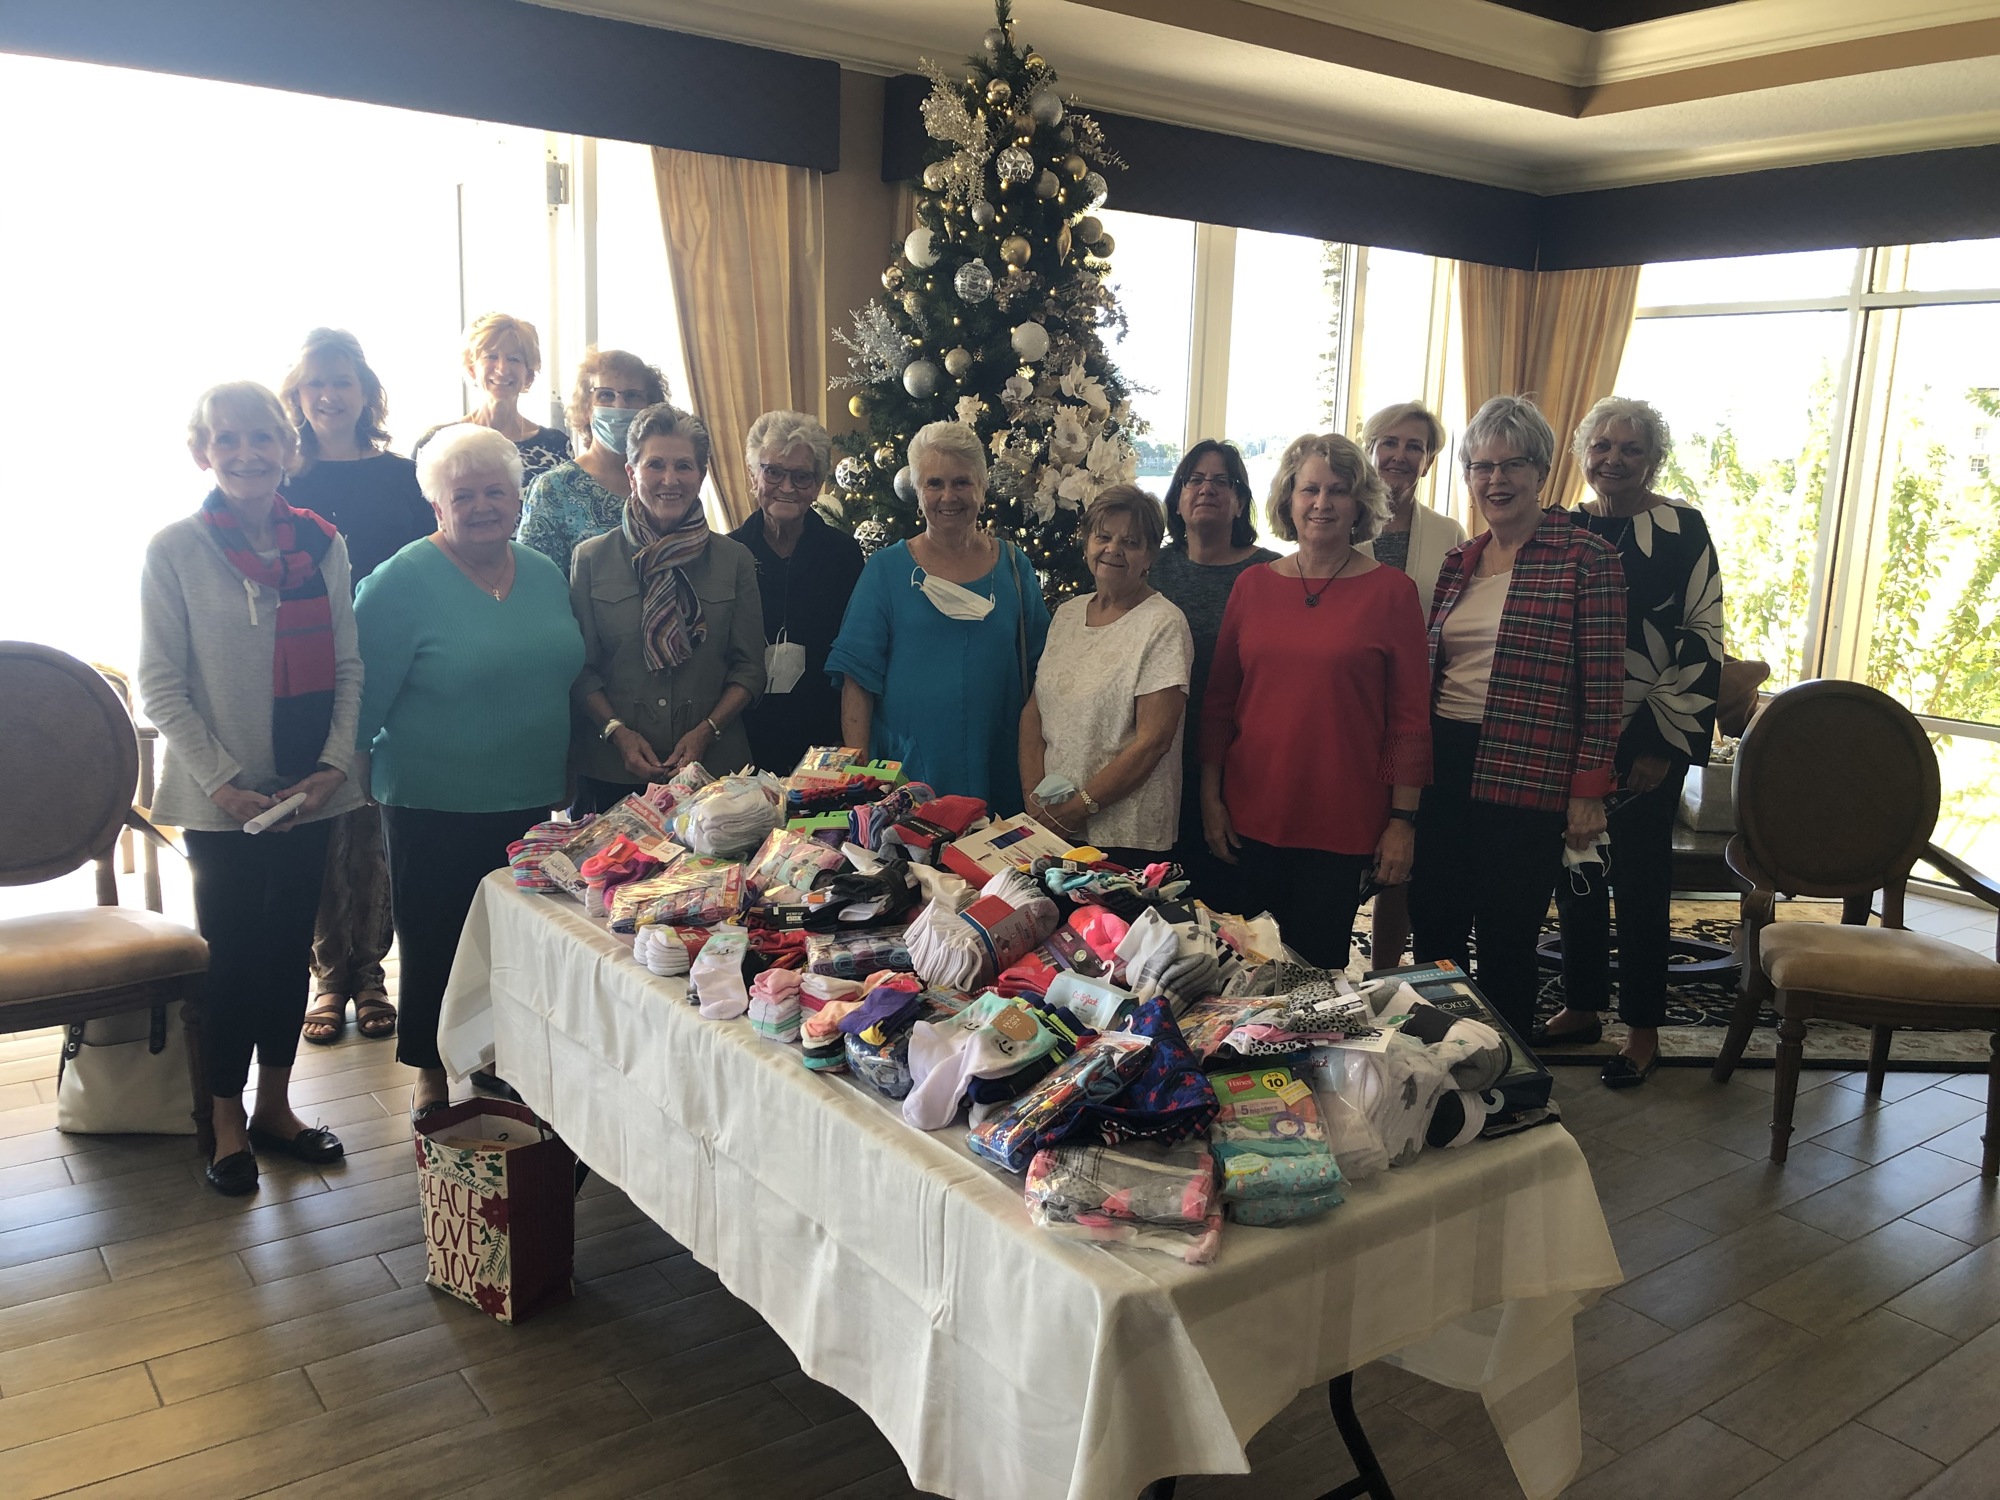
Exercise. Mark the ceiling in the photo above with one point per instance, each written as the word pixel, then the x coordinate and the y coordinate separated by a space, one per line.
pixel 1640 91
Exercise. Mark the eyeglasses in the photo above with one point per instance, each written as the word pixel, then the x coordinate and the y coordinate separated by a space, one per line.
pixel 799 479
pixel 1210 482
pixel 605 395
pixel 1507 468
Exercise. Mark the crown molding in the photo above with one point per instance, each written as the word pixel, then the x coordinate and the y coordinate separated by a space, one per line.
pixel 1753 29
pixel 1472 30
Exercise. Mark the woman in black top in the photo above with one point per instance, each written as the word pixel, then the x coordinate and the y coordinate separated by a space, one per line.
pixel 349 477
pixel 805 572
pixel 503 355
pixel 1673 671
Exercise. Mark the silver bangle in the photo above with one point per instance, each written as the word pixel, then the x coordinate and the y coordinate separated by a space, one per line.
pixel 611 727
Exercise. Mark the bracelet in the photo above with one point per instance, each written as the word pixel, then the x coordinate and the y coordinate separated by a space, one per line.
pixel 1089 802
pixel 611 727
pixel 713 728
pixel 1404 814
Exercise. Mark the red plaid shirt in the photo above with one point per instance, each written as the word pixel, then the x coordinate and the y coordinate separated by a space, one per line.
pixel 1555 702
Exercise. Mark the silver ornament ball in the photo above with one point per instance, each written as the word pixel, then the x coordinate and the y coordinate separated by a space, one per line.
pixel 906 484
pixel 1095 188
pixel 958 361
pixel 1046 107
pixel 850 473
pixel 871 537
pixel 994 42
pixel 974 282
pixel 1030 340
pixel 1047 185
pixel 984 214
pixel 918 248
pixel 920 378
pixel 1015 164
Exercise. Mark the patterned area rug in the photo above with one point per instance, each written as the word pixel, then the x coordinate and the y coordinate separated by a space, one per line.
pixel 1698 1012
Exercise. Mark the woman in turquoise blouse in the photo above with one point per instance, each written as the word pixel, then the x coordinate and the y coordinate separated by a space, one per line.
pixel 942 636
pixel 469 650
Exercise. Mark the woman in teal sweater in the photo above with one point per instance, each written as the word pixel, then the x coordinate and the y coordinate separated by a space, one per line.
pixel 470 649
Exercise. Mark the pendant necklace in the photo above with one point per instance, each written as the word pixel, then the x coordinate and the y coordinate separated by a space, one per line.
pixel 1312 595
pixel 473 573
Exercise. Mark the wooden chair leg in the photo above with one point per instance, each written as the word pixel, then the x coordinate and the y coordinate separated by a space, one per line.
pixel 1753 990
pixel 203 1113
pixel 1878 1058
pixel 1989 1163
pixel 1791 1051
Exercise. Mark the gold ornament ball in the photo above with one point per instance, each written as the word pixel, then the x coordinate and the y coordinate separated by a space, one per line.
pixel 999 91
pixel 885 457
pixel 1090 229
pixel 958 361
pixel 1034 60
pixel 934 176
pixel 857 407
pixel 912 304
pixel 1047 185
pixel 1015 250
pixel 892 279
pixel 1075 166
pixel 1104 246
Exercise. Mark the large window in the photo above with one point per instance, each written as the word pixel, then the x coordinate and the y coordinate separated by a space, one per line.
pixel 1834 415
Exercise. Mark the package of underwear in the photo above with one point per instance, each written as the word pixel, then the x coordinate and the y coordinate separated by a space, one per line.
pixel 922 836
pixel 789 858
pixel 856 955
pixel 1284 1210
pixel 1206 1023
pixel 696 892
pixel 1052 1110
pixel 1169 1099
pixel 1147 1196
pixel 1267 1109
pixel 1252 1174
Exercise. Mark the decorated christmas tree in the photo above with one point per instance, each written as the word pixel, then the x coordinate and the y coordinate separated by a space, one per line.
pixel 993 314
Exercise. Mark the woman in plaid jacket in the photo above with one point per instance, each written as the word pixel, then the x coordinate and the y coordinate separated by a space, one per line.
pixel 1527 638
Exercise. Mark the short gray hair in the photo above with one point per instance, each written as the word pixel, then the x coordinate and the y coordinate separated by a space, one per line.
pixel 954 438
pixel 1349 464
pixel 1143 506
pixel 464 448
pixel 1514 420
pixel 1645 419
pixel 778 432
pixel 665 420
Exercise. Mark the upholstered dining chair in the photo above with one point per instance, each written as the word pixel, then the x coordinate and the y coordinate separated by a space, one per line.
pixel 69 761
pixel 1837 795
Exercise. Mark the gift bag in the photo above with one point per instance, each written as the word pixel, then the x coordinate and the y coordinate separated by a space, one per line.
pixel 498 1190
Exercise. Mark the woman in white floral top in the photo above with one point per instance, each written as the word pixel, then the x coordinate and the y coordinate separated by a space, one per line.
pixel 1673 670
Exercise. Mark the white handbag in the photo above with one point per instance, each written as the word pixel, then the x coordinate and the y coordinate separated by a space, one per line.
pixel 126 1075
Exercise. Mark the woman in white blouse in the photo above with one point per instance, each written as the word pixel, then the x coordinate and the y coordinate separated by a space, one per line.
pixel 1110 696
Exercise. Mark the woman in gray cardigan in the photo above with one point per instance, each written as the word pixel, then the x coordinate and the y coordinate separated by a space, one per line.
pixel 673 628
pixel 248 665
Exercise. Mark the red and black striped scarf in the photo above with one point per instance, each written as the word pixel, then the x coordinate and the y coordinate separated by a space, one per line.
pixel 302 663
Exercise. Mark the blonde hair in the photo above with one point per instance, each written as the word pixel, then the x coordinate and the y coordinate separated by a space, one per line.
pixel 337 343
pixel 1395 416
pixel 577 413
pixel 241 397
pixel 1349 464
pixel 955 438
pixel 489 328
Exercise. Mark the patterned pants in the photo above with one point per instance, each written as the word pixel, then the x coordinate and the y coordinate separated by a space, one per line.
pixel 354 929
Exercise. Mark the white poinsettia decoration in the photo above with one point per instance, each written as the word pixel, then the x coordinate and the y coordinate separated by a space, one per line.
pixel 1043 502
pixel 1078 386
pixel 970 410
pixel 1667 689
pixel 1108 456
pixel 1076 488
pixel 1068 441
pixel 1017 390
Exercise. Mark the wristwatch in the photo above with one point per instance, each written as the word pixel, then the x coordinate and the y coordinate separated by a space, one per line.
pixel 1089 802
pixel 611 727
pixel 1404 814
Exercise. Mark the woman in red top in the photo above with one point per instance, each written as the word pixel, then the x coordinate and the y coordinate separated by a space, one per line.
pixel 1315 733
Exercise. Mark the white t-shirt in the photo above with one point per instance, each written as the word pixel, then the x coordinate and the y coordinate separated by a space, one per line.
pixel 1087 688
pixel 1469 633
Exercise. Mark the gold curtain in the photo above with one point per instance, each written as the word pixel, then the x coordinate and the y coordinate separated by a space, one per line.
pixel 746 248
pixel 1556 336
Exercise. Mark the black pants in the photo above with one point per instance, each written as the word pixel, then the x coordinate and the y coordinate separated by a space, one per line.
pixel 1313 893
pixel 1219 885
pixel 595 796
pixel 255 900
pixel 436 861
pixel 1642 876
pixel 1482 867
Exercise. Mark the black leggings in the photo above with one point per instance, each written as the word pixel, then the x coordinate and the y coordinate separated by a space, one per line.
pixel 1313 893
pixel 1642 876
pixel 436 861
pixel 256 897
pixel 1485 867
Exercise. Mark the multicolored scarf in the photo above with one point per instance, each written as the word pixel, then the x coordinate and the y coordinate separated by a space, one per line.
pixel 302 663
pixel 670 618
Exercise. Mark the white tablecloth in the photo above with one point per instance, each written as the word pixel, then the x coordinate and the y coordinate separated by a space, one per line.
pixel 1001 1362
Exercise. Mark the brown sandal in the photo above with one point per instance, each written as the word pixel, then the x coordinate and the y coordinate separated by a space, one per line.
pixel 374 1016
pixel 328 1011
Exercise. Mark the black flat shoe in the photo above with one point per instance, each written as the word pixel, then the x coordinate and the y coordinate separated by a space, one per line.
pixel 1622 1073
pixel 489 1082
pixel 1539 1035
pixel 313 1145
pixel 424 1111
pixel 233 1176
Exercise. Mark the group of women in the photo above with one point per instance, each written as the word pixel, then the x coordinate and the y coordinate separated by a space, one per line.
pixel 1388 703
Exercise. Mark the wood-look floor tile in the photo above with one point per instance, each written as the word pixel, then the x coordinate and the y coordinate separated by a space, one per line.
pixel 689 1275
pixel 1970 1212
pixel 1689 1289
pixel 1635 1401
pixel 27 1119
pixel 56 1277
pixel 181 1206
pixel 1793 1405
pixel 1896 1085
pixel 185 1327
pixel 337 1113
pixel 484 1457
pixel 462 1343
pixel 1973 1477
pixel 1863 1203
pixel 377 1078
pixel 1949 1408
pixel 1895 1128
pixel 132 1443
pixel 71 1200
pixel 1647 1241
pixel 1765 1079
pixel 1610 1333
pixel 1967 1142
pixel 623 1248
pixel 1679 1111
pixel 647 1454
pixel 1317 1463
pixel 277 1259
pixel 892 1483
pixel 753 1357
pixel 34 1177
pixel 1850 1460
pixel 1962 1299
pixel 312 1445
pixel 102 1156
pixel 1972 1085
pixel 1478 1470
pixel 593 1353
pixel 803 1466
pixel 291 1343
pixel 1860 1276
pixel 408 1265
pixel 88 1402
pixel 822 1403
pixel 1754 1191
pixel 108 1302
pixel 1666 1173
pixel 1821 1110
pixel 391 1158
pixel 248 1222
pixel 1694 1460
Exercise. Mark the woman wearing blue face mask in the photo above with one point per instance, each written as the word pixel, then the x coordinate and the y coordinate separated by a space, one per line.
pixel 585 496
pixel 941 638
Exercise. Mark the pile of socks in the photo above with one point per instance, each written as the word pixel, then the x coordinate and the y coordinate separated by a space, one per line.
pixel 774 1005
pixel 730 817
pixel 524 855
pixel 856 955
pixel 1146 1195
pixel 966 948
pixel 668 951
pixel 869 824
pixel 715 978
pixel 1276 1167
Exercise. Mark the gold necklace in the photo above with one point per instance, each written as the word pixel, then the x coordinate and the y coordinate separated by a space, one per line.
pixel 465 567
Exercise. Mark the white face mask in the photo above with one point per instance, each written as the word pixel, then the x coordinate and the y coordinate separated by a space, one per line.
pixel 950 599
pixel 784 664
